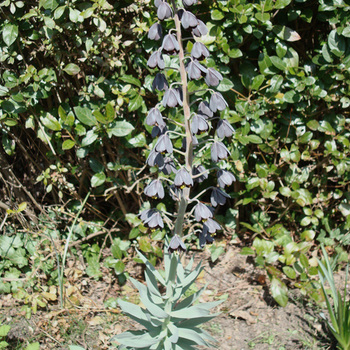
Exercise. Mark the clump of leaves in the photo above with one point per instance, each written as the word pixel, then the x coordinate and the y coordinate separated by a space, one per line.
pixel 171 321
pixel 339 312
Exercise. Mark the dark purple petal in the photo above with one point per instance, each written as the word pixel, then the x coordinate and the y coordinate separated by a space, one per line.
pixel 218 197
pixel 200 169
pixel 155 158
pixel 158 130
pixel 204 237
pixel 160 83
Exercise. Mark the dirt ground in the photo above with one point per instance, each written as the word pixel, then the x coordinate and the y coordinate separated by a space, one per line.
pixel 250 319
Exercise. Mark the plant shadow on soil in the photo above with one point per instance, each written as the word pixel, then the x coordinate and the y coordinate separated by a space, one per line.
pixel 249 319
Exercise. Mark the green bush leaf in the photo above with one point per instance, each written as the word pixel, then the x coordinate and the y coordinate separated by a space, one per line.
pixel 71 69
pixel 85 116
pixel 9 34
pixel 68 144
pixel 98 179
pixel 122 128
pixel 279 291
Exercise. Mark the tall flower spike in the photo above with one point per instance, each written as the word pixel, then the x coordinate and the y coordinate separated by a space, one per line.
pixel 202 212
pixel 155 32
pixel 225 178
pixel 213 77
pixel 160 83
pixel 218 151
pixel 183 179
pixel 218 197
pixel 164 11
pixel 199 51
pixel 154 189
pixel 217 102
pixel 170 44
pixel 224 129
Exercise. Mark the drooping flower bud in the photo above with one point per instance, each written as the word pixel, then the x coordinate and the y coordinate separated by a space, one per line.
pixel 217 102
pixel 204 237
pixel 224 129
pixel 183 179
pixel 200 30
pixel 159 130
pixel 156 59
pixel 189 2
pixel 151 218
pixel 218 197
pixel 154 117
pixel 211 225
pixel 172 98
pixel 199 124
pixel 225 178
pixel 218 151
pixel 203 108
pixel 168 167
pixel 170 44
pixel 155 158
pixel 213 77
pixel 176 244
pixel 199 51
pixel 164 11
pixel 154 189
pixel 188 19
pixel 195 70
pixel 202 212
pixel 200 169
pixel 155 32
pixel 160 83
pixel 164 144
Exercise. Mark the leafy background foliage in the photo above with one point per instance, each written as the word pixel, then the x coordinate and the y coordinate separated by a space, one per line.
pixel 74 92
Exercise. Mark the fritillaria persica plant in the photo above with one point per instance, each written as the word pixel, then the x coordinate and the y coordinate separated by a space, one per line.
pixel 170 321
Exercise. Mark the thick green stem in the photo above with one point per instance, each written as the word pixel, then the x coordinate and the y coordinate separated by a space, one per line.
pixel 187 116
